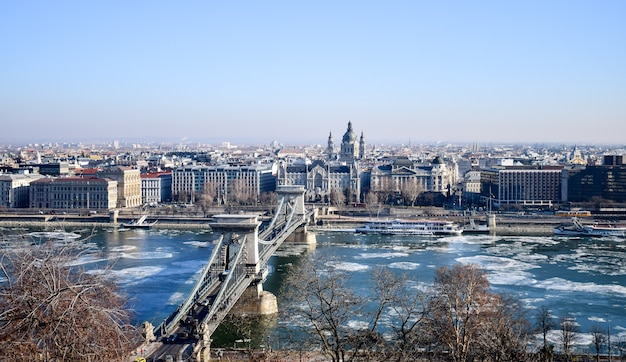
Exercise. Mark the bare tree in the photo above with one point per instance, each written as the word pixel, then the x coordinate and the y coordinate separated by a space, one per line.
pixel 53 311
pixel 207 197
pixel 268 198
pixel 460 302
pixel 545 323
pixel 372 203
pixel 408 311
pixel 183 196
pixel 411 190
pixel 386 189
pixel 338 199
pixel 238 192
pixel 321 294
pixel 323 297
pixel 598 339
pixel 569 330
pixel 506 330
pixel 620 345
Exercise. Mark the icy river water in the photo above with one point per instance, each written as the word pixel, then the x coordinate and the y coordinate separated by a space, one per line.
pixel 582 277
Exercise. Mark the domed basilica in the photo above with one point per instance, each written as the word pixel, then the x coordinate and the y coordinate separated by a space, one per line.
pixel 351 149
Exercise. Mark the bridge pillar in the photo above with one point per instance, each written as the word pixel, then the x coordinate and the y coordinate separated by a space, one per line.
pixel 236 227
pixel 254 300
pixel 294 194
pixel 202 349
pixel 301 236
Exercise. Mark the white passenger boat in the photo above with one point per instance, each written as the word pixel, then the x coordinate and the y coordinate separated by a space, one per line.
pixel 139 224
pixel 410 227
pixel 605 230
pixel 579 229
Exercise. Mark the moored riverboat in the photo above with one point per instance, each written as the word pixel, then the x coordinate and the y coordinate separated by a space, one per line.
pixel 139 224
pixel 473 228
pixel 605 230
pixel 410 227
pixel 597 229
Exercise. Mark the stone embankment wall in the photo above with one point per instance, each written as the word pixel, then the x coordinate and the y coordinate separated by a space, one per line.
pixel 504 226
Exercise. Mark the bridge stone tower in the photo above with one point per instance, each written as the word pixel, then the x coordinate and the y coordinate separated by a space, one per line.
pixel 294 195
pixel 239 228
pixel 245 229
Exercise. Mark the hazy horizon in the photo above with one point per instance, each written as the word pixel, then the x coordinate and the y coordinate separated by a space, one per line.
pixel 253 72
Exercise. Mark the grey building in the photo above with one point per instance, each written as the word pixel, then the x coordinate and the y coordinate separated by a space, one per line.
pixel 521 185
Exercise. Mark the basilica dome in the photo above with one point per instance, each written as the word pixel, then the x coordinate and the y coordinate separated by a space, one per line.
pixel 349 136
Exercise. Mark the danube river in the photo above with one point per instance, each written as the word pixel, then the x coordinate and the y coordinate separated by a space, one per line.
pixel 581 277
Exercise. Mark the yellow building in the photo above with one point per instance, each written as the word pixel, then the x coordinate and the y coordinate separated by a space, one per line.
pixel 128 184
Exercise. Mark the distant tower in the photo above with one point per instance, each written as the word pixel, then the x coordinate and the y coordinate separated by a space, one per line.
pixel 349 150
pixel 330 149
pixel 362 146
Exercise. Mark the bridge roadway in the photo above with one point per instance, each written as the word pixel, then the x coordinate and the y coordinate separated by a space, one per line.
pixel 239 260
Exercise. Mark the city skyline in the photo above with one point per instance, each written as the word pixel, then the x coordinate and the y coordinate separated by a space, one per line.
pixel 249 72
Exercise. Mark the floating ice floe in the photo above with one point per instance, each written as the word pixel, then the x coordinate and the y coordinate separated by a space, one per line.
pixel 348 266
pixel 404 265
pixel 198 244
pixel 54 235
pixel 381 255
pixel 564 285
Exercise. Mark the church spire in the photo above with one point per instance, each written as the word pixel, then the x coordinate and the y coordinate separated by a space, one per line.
pixel 362 146
pixel 330 149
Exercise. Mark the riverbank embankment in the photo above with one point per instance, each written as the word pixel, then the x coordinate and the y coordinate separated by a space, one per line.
pixel 505 225
pixel 534 226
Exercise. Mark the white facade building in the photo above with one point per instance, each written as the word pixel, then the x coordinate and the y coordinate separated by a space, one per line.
pixel 156 187
pixel 14 189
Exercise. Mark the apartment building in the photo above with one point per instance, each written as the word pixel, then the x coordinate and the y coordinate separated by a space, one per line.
pixel 223 183
pixel 128 184
pixel 156 187
pixel 14 189
pixel 73 193
pixel 521 185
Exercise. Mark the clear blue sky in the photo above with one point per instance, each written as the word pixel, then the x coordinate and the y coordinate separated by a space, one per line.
pixel 293 71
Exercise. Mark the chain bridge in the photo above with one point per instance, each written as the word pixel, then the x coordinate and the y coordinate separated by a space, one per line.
pixel 235 271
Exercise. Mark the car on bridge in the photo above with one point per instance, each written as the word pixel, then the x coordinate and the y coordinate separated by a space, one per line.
pixel 172 338
pixel 224 275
